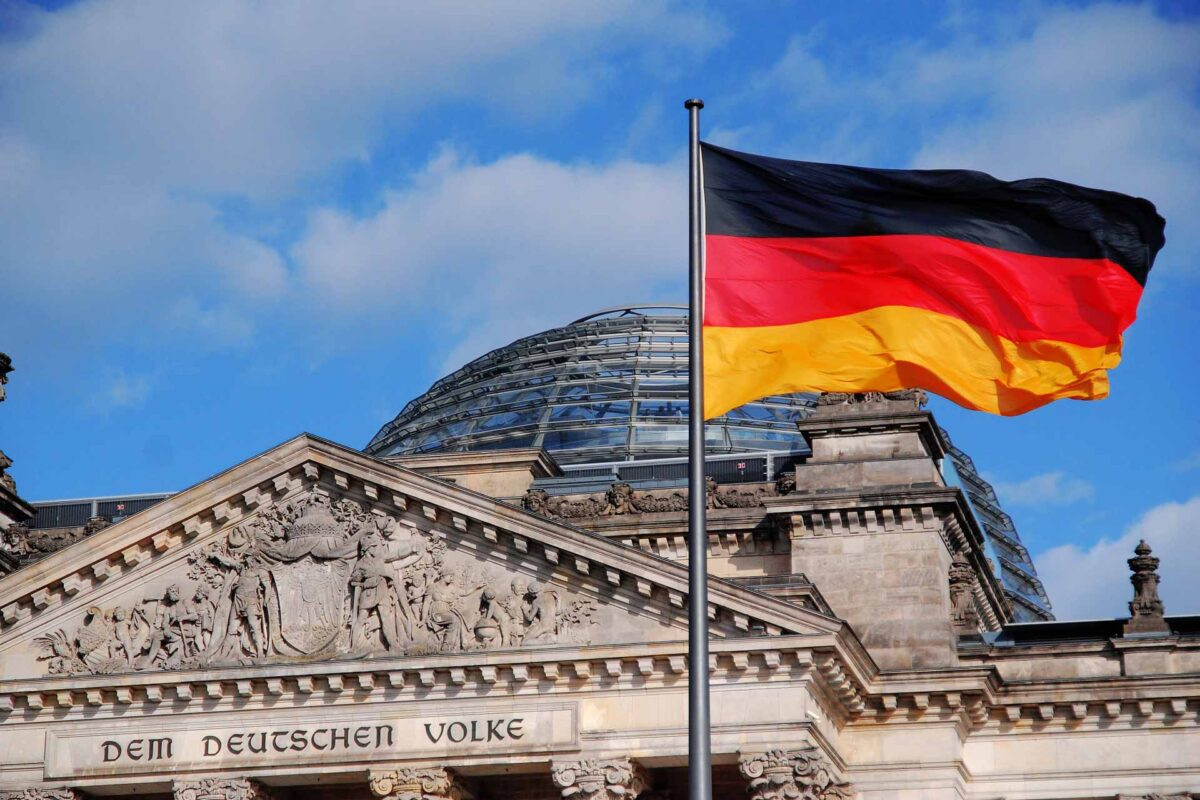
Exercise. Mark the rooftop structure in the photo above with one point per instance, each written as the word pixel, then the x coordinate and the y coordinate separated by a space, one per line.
pixel 611 388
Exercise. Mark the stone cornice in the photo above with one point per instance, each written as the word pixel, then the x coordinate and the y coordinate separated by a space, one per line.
pixel 869 421
pixel 978 697
pixel 541 464
pixel 226 499
pixel 536 671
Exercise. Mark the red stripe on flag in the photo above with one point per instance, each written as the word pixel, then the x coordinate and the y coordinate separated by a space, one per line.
pixel 752 282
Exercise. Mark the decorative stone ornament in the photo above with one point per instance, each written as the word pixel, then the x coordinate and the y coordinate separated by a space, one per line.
pixel 411 783
pixel 962 595
pixel 1146 609
pixel 792 775
pixel 916 397
pixel 599 779
pixel 41 794
pixel 311 579
pixel 220 789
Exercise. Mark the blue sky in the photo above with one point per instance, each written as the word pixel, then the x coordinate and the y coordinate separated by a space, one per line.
pixel 225 223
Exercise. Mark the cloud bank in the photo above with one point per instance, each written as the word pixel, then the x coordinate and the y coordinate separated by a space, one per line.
pixel 1093 582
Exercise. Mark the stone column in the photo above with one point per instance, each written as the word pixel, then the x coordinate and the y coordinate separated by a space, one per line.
pixel 792 775
pixel 599 779
pixel 41 794
pixel 415 783
pixel 220 789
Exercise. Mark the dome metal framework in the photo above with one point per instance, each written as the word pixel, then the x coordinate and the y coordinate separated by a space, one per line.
pixel 611 386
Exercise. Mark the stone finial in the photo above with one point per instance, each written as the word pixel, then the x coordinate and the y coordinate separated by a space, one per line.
pixel 40 794
pixel 5 368
pixel 1146 609
pixel 962 595
pixel 792 774
pixel 220 789
pixel 599 779
pixel 415 783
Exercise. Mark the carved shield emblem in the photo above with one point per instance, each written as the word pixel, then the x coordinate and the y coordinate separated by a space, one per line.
pixel 312 603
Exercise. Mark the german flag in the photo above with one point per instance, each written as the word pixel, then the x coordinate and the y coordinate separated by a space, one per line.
pixel 1001 296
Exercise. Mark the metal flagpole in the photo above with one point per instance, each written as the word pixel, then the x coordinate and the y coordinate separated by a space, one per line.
pixel 699 740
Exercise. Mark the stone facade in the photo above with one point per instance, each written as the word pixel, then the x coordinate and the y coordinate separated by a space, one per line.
pixel 317 623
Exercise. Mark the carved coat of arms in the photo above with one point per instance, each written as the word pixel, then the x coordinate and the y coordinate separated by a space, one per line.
pixel 310 579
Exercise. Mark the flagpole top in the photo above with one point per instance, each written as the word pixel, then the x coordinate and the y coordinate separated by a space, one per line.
pixel 695 102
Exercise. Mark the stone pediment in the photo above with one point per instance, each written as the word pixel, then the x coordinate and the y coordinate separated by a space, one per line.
pixel 314 552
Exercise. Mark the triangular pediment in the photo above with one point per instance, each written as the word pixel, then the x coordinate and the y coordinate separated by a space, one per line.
pixel 312 551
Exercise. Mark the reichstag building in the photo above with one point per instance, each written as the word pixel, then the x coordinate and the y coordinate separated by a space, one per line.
pixel 490 600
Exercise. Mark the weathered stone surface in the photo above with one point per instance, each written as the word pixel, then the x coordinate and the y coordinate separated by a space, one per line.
pixel 599 779
pixel 416 783
pixel 1146 609
pixel 792 775
pixel 220 789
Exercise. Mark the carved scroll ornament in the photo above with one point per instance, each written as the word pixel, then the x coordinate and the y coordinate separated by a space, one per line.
pixel 41 794
pixel 792 775
pixel 599 779
pixel 314 579
pixel 409 783
pixel 220 789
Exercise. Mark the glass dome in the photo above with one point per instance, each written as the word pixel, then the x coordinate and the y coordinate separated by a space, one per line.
pixel 611 386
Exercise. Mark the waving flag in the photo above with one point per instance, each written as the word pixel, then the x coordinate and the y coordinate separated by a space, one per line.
pixel 1001 296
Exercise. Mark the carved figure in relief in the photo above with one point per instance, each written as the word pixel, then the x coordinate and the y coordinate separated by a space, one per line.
pixel 491 624
pixel 514 612
pixel 307 579
pixel 446 618
pixel 540 613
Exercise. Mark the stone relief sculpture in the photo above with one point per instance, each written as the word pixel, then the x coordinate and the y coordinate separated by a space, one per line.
pixel 917 396
pixel 416 783
pixel 621 498
pixel 311 579
pixel 599 779
pixel 220 789
pixel 792 775
pixel 962 594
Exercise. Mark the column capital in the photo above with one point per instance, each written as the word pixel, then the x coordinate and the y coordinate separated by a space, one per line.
pixel 40 794
pixel 220 789
pixel 803 774
pixel 418 783
pixel 599 779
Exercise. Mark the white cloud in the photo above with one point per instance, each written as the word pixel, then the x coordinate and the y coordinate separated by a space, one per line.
pixel 1105 95
pixel 1050 488
pixel 121 390
pixel 1094 582
pixel 1188 463
pixel 127 125
pixel 506 248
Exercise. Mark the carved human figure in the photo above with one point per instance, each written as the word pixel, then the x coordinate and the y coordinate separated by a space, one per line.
pixel 492 622
pixel 198 620
pixel 540 615
pixel 619 499
pixel 123 630
pixel 377 584
pixel 249 604
pixel 514 612
pixel 446 619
